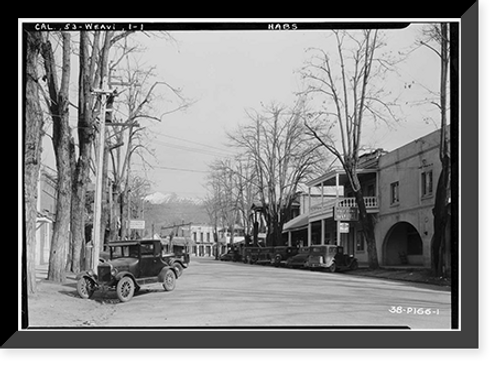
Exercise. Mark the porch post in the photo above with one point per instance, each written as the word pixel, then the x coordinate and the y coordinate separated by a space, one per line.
pixel 309 199
pixel 309 232
pixel 323 231
pixel 336 204
pixel 322 190
pixel 289 238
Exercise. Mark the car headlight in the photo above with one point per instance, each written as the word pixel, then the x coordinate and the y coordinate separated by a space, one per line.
pixel 113 271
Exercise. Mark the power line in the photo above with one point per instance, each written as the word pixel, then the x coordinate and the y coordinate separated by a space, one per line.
pixel 177 169
pixel 192 142
pixel 190 149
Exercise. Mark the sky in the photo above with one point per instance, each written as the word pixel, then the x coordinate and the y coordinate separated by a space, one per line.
pixel 226 73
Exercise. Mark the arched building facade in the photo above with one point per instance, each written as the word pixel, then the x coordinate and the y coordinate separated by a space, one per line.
pixel 399 189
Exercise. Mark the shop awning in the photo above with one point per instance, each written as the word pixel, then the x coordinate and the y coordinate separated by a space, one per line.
pixel 298 223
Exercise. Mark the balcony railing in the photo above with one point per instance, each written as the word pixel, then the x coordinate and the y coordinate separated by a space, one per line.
pixel 371 204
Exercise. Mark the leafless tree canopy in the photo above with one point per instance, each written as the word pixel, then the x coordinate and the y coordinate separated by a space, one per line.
pixel 281 155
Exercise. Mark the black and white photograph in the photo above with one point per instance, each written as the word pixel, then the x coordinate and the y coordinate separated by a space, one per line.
pixel 260 175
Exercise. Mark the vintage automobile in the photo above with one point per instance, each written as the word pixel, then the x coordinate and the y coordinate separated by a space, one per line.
pixel 233 254
pixel 282 254
pixel 258 254
pixel 331 257
pixel 131 264
pixel 178 258
pixel 301 259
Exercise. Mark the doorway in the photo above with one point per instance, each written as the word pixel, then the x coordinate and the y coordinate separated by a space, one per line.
pixel 403 246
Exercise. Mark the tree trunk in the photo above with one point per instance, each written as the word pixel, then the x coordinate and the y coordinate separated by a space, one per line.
pixel 64 152
pixel 82 170
pixel 440 213
pixel 366 219
pixel 61 235
pixel 32 148
pixel 275 229
pixel 440 210
pixel 368 226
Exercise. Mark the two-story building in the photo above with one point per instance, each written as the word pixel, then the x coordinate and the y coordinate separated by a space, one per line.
pixel 203 238
pixel 399 189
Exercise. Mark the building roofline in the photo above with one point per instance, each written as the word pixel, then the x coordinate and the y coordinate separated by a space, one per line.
pixel 331 174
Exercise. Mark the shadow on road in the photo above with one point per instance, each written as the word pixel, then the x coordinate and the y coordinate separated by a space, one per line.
pixel 108 296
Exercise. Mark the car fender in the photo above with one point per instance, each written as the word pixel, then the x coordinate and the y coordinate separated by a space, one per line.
pixel 184 265
pixel 89 274
pixel 163 272
pixel 171 262
pixel 122 274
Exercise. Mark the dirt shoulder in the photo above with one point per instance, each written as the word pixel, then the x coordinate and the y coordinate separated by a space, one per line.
pixel 404 274
pixel 58 305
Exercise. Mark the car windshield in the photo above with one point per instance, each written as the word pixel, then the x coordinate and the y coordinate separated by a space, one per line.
pixel 124 251
pixel 317 250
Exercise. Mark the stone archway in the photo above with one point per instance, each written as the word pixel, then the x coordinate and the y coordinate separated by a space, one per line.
pixel 403 245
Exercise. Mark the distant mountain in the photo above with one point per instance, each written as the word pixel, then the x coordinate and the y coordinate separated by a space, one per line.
pixel 169 209
pixel 162 198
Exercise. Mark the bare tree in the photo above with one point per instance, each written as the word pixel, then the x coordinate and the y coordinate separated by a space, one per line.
pixel 211 206
pixel 232 191
pixel 92 65
pixel 282 156
pixel 32 148
pixel 58 103
pixel 436 37
pixel 137 90
pixel 350 87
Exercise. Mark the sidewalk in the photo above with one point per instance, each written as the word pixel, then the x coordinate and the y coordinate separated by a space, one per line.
pixel 43 270
pixel 416 274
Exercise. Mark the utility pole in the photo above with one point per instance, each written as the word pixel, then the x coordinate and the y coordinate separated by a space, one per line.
pixel 96 234
pixel 105 93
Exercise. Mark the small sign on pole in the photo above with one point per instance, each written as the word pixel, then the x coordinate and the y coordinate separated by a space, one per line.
pixel 137 224
pixel 344 227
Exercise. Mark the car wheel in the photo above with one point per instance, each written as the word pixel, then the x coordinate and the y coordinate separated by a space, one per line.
pixel 85 287
pixel 333 267
pixel 169 281
pixel 125 289
pixel 178 267
pixel 354 265
pixel 277 260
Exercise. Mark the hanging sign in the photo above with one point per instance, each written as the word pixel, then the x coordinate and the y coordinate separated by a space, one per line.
pixel 346 214
pixel 137 224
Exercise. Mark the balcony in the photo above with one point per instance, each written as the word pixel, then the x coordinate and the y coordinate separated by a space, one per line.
pixel 371 203
pixel 326 207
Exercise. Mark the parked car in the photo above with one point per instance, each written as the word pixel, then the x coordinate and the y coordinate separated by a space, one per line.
pixel 282 254
pixel 229 256
pixel 131 265
pixel 301 259
pixel 179 258
pixel 331 257
pixel 258 254
pixel 233 254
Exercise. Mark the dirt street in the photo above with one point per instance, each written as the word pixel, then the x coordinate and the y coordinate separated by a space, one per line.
pixel 212 293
